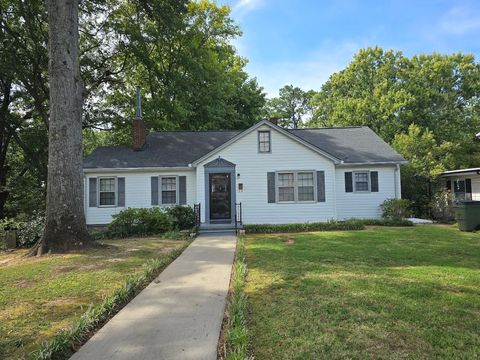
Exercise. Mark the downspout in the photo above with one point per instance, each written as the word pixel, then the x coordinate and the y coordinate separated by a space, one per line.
pixel 398 188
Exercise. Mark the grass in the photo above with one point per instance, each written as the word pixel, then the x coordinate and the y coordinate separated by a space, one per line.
pixel 40 297
pixel 396 293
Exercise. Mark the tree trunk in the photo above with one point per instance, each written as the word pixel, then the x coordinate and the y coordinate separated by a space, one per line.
pixel 65 226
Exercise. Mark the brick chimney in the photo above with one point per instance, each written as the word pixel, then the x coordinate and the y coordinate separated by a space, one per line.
pixel 139 136
pixel 274 120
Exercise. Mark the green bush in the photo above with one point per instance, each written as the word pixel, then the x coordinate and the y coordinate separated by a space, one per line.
pixel 442 206
pixel 316 226
pixel 396 208
pixel 29 230
pixel 351 224
pixel 183 217
pixel 140 222
pixel 386 222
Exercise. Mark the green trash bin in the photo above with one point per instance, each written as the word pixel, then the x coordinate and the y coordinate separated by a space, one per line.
pixel 468 215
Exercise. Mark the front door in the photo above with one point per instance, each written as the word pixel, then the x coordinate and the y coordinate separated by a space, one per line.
pixel 220 196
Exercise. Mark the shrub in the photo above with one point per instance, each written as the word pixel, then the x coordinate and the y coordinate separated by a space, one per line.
pixel 140 222
pixel 396 208
pixel 29 230
pixel 183 217
pixel 386 222
pixel 442 206
pixel 317 226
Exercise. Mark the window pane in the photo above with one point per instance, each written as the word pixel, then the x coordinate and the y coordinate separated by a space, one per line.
pixel 286 194
pixel 361 177
pixel 169 183
pixel 169 197
pixel 305 193
pixel 107 198
pixel 361 186
pixel 305 179
pixel 107 184
pixel 361 181
pixel 285 179
pixel 264 141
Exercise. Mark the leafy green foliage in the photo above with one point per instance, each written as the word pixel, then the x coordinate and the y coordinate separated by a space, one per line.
pixel 396 208
pixel 292 108
pixel 28 230
pixel 426 106
pixel 237 310
pixel 183 217
pixel 148 221
pixel 320 226
pixel 442 206
pixel 140 221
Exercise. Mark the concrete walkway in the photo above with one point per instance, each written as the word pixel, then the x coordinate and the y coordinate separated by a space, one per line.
pixel 177 316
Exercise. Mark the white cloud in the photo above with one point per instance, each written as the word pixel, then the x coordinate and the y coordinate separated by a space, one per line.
pixel 309 72
pixel 460 20
pixel 243 7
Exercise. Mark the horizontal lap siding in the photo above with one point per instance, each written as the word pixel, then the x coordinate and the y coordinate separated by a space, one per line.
pixel 137 193
pixel 364 205
pixel 475 188
pixel 253 168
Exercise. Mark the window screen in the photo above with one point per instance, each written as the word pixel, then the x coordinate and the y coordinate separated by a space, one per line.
pixel 361 181
pixel 264 141
pixel 286 187
pixel 305 186
pixel 107 191
pixel 169 190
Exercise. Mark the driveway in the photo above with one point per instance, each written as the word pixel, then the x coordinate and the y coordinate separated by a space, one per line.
pixel 179 315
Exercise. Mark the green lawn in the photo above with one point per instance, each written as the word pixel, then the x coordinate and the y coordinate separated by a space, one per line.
pixel 382 293
pixel 40 296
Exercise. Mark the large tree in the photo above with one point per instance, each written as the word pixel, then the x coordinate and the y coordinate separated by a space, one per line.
pixel 427 106
pixel 65 226
pixel 292 107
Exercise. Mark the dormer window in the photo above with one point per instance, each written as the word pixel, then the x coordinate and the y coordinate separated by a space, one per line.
pixel 264 145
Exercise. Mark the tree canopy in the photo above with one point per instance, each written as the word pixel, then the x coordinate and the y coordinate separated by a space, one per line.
pixel 179 52
pixel 292 107
pixel 426 106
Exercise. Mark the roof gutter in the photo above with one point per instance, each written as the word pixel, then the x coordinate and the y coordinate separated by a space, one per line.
pixel 344 164
pixel 137 169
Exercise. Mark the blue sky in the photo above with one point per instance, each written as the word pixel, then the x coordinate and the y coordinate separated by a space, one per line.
pixel 303 42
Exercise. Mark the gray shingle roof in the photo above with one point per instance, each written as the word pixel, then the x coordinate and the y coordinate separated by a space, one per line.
pixel 180 148
pixel 351 144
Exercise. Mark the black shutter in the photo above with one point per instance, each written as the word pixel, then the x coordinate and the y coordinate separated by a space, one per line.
pixel 374 181
pixel 271 187
pixel 92 192
pixel 154 190
pixel 121 192
pixel 182 188
pixel 321 186
pixel 348 182
pixel 449 185
pixel 468 189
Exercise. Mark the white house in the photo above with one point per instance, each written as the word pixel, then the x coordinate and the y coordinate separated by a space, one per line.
pixel 463 183
pixel 277 175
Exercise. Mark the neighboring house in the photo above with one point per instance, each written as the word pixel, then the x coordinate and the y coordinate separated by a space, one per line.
pixel 278 175
pixel 463 183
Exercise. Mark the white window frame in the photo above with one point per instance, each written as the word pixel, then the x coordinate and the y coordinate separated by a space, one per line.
pixel 295 187
pixel 369 181
pixel 160 194
pixel 115 191
pixel 269 141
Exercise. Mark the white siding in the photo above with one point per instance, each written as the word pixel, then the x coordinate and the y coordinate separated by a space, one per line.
pixel 253 167
pixel 475 183
pixel 137 193
pixel 475 188
pixel 364 205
